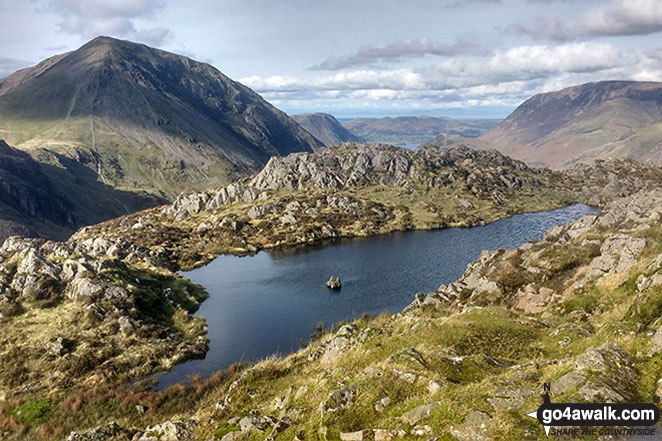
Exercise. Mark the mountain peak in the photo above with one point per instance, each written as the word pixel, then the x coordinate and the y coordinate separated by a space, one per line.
pixel 147 119
pixel 581 123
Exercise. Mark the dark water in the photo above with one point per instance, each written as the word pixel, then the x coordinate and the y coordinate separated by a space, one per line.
pixel 269 302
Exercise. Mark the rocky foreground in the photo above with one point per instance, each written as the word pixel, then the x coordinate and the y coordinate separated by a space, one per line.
pixel 579 309
pixel 82 318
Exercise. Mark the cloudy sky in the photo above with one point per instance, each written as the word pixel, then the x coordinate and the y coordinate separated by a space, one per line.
pixel 461 58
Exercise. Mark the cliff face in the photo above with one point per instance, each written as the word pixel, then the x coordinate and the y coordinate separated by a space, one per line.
pixel 30 204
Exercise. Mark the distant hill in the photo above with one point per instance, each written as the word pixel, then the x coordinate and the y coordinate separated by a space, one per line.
pixel 150 120
pixel 325 128
pixel 414 129
pixel 446 140
pixel 578 124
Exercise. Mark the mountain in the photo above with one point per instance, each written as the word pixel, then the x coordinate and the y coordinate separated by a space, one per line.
pixel 325 128
pixel 143 119
pixel 578 124
pixel 414 129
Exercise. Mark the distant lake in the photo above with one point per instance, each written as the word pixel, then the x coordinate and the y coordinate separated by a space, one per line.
pixel 269 302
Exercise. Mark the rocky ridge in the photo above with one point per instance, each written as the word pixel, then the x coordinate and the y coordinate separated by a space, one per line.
pixel 350 190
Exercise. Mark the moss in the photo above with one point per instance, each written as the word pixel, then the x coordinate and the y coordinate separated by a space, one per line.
pixel 224 430
pixel 648 310
pixel 587 302
pixel 33 412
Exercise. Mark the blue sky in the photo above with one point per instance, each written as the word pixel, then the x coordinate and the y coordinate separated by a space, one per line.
pixel 462 58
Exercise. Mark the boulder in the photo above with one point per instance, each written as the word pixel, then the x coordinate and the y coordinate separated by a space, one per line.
pixel 509 397
pixel 477 426
pixel 256 421
pixel 339 399
pixel 617 377
pixel 360 435
pixel 182 430
pixel 381 404
pixel 108 432
pixel 568 382
pixel 418 413
pixel 333 283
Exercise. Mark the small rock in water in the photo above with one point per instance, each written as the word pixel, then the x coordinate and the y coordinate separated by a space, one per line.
pixel 333 283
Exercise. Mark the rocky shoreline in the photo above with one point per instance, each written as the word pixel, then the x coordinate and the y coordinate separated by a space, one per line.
pixel 467 361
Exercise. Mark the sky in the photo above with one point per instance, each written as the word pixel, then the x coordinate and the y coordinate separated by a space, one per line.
pixel 457 58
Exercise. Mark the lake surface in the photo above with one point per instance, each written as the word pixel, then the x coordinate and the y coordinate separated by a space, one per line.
pixel 269 302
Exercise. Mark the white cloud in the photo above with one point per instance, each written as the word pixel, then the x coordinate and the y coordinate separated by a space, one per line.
pixel 505 78
pixel 116 18
pixel 616 18
pixel 399 50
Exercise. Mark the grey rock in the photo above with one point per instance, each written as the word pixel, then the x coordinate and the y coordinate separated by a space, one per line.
pixel 382 403
pixel 59 346
pixel 339 399
pixel 181 430
pixel 604 358
pixel 477 426
pixel 568 382
pixel 509 397
pixel 301 392
pixel 256 421
pixel 108 432
pixel 417 414
pixel 360 435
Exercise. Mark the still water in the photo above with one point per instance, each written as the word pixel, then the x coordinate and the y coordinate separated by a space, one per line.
pixel 269 302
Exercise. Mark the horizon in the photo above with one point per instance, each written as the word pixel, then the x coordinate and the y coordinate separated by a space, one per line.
pixel 475 59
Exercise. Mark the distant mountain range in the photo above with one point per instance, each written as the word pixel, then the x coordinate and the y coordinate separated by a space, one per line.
pixel 325 128
pixel 414 129
pixel 607 119
pixel 122 126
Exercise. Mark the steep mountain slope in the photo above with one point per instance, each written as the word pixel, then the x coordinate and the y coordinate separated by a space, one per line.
pixel 29 203
pixel 325 128
pixel 147 119
pixel 594 120
pixel 414 129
